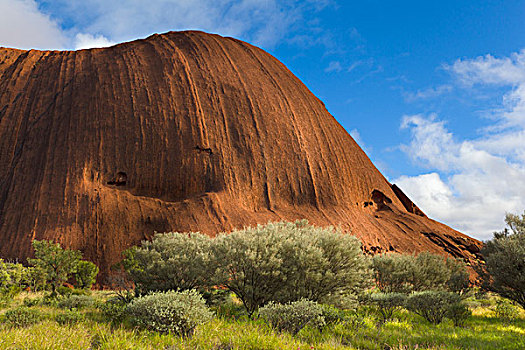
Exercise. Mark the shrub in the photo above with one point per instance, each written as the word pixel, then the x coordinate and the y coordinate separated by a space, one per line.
pixel 166 312
pixel 387 303
pixel 114 311
pixel 405 273
pixel 7 295
pixel 76 302
pixel 171 261
pixel 286 262
pixel 393 272
pixel 431 305
pixel 68 317
pixel 35 278
pixel 30 302
pixel 64 291
pixel 505 260
pixel 458 313
pixel 505 310
pixel 86 274
pixel 10 281
pixel 22 317
pixel 294 316
pixel 332 315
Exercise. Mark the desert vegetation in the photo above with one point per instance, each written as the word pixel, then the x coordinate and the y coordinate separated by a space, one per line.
pixel 276 286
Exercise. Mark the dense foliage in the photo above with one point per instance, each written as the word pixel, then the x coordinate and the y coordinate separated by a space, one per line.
pixel 171 261
pixel 85 274
pixel 505 260
pixel 387 303
pixel 279 262
pixel 22 317
pixel 170 312
pixel 58 263
pixel 432 305
pixel 400 273
pixel 286 262
pixel 294 316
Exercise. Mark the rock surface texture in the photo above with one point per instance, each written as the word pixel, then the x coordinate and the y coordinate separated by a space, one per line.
pixel 183 131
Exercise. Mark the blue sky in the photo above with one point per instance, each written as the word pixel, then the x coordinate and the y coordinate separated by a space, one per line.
pixel 434 91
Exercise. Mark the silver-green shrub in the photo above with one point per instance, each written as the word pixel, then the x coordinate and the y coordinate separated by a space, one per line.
pixel 294 316
pixel 284 262
pixel 170 312
pixel 171 261
pixel 400 273
pixel 432 305
pixel 387 303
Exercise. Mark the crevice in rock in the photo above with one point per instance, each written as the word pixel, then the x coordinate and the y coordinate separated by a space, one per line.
pixel 203 149
pixel 119 180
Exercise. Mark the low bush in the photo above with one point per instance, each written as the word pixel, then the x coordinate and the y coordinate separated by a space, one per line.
pixel 294 316
pixel 64 291
pixel 76 302
pixel 458 313
pixel 170 312
pixel 30 302
pixel 114 311
pixel 7 295
pixel 68 317
pixel 505 310
pixel 50 300
pixel 431 305
pixel 332 315
pixel 387 303
pixel 22 317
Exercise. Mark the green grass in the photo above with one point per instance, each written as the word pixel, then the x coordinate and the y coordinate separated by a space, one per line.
pixel 362 331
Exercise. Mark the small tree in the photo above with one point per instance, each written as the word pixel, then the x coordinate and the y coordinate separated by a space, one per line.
pixel 505 260
pixel 393 272
pixel 285 262
pixel 86 274
pixel 171 261
pixel 58 263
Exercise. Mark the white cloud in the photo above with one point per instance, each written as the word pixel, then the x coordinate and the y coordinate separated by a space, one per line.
pixel 96 23
pixel 475 182
pixel 334 66
pixel 23 26
pixel 264 23
pixel 491 70
pixel 428 93
pixel 479 187
pixel 88 41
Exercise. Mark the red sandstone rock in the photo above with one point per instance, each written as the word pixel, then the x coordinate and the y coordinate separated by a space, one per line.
pixel 183 131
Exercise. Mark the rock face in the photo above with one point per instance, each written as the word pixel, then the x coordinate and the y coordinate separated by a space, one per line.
pixel 183 131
